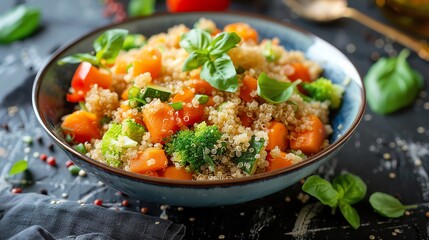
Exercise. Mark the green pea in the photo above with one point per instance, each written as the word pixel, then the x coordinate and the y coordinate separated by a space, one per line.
pixel 74 170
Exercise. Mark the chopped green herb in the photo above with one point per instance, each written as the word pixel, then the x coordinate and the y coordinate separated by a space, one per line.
pixel 74 170
pixel 202 98
pixel 177 106
pixel 18 23
pixel 80 148
pixel 275 91
pixel 141 7
pixel 133 41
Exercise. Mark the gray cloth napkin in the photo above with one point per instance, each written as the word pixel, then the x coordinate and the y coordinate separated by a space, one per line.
pixel 36 216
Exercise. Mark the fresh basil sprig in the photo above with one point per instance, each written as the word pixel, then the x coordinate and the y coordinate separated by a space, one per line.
pixel 275 91
pixel 18 167
pixel 344 191
pixel 217 67
pixel 19 23
pixel 107 47
pixel 388 206
pixel 391 84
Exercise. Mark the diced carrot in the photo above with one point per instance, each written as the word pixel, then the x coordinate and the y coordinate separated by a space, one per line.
pixel 149 60
pixel 172 172
pixel 277 136
pixel 82 126
pixel 246 32
pixel 245 120
pixel 124 94
pixel 309 142
pixel 202 87
pixel 189 114
pixel 300 72
pixel 151 159
pixel 279 162
pixel 160 121
pixel 120 66
pixel 250 85
pixel 185 95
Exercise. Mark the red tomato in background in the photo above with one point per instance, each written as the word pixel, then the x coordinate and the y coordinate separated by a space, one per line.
pixel 197 5
pixel 84 77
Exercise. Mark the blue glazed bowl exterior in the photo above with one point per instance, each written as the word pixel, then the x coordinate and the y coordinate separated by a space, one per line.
pixel 53 81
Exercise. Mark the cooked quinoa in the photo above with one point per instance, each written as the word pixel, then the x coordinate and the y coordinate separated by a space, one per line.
pixel 224 111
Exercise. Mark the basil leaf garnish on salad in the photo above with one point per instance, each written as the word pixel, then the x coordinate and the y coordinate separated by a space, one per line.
pixel 107 47
pixel 391 84
pixel 275 91
pixel 217 67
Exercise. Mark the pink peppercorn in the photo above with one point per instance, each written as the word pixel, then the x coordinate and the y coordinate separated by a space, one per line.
pixel 17 190
pixel 51 161
pixel 43 157
pixel 98 202
pixel 69 163
pixel 125 203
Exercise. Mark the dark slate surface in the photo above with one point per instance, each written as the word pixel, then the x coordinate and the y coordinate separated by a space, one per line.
pixel 288 214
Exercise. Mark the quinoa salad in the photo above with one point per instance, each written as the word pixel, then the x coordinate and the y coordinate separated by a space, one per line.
pixel 200 103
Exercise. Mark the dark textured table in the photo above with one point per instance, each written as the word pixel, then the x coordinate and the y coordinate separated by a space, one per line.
pixel 391 154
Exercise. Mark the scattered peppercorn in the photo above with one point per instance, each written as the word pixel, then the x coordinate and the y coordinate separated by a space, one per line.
pixel 39 139
pixel 17 190
pixel 73 170
pixel 51 161
pixel 144 210
pixel 69 163
pixel 125 203
pixel 427 214
pixel 43 192
pixel 51 147
pixel 5 126
pixel 98 202
pixel 43 157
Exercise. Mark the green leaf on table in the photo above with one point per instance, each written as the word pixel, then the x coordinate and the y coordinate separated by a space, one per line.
pixel 387 205
pixel 18 23
pixel 322 190
pixel 350 214
pixel 275 91
pixel 141 7
pixel 18 167
pixel 108 45
pixel 391 84
pixel 350 187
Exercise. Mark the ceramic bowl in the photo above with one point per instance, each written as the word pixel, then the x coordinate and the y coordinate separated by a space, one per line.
pixel 53 82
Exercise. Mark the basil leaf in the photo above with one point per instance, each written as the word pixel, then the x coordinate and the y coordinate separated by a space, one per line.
pixel 223 43
pixel 18 167
pixel 19 23
pixel 196 39
pixel 108 45
pixel 322 190
pixel 194 60
pixel 141 7
pixel 350 187
pixel 133 41
pixel 275 91
pixel 387 205
pixel 350 214
pixel 79 57
pixel 221 74
pixel 391 84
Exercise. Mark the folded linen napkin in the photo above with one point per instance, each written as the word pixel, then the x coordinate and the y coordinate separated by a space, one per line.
pixel 36 216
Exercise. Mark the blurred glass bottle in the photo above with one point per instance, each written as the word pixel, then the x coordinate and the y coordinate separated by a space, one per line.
pixel 412 15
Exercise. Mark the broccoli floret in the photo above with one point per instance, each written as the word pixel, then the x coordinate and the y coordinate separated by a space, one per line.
pixel 194 148
pixel 133 130
pixel 323 89
pixel 109 147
